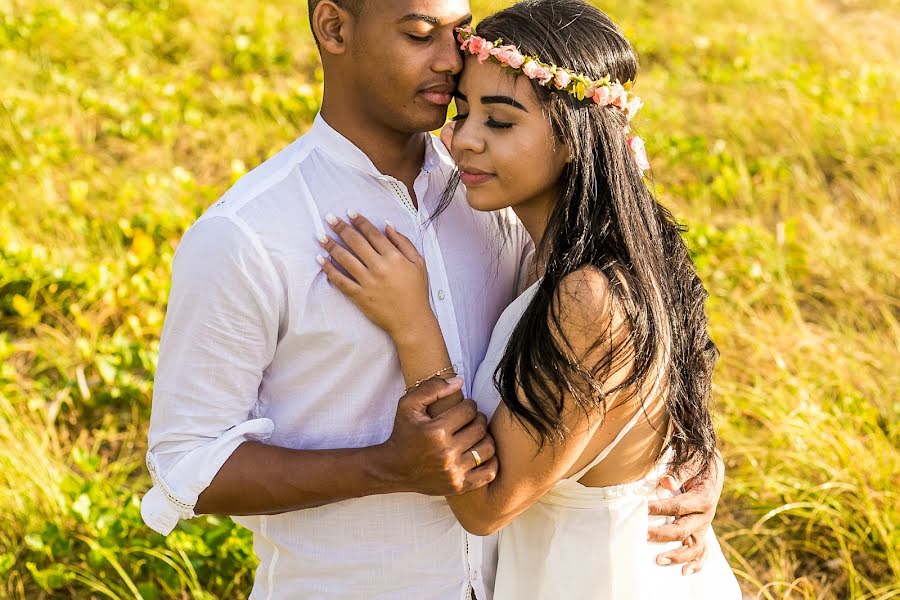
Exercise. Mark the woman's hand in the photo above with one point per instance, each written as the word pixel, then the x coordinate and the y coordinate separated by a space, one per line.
pixel 387 277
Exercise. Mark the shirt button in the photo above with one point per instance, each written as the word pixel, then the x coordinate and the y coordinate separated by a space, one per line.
pixel 441 295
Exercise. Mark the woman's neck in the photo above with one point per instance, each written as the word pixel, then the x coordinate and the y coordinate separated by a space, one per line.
pixel 534 215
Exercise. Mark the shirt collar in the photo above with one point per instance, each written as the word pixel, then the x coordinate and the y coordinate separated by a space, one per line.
pixel 345 151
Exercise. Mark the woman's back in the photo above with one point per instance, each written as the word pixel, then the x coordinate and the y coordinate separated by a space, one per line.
pixel 587 537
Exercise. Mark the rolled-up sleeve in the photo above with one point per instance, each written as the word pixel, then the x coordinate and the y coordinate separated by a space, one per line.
pixel 219 336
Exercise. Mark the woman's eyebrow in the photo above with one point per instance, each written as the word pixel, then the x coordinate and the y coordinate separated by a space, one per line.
pixel 502 100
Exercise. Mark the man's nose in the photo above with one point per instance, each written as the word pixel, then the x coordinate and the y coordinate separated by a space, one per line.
pixel 449 58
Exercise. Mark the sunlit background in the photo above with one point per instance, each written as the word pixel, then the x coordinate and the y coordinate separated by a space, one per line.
pixel 771 129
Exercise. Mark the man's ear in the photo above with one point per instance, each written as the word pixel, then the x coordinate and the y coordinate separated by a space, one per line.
pixel 330 24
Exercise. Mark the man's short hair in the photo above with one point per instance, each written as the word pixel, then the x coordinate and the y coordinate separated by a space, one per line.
pixel 354 7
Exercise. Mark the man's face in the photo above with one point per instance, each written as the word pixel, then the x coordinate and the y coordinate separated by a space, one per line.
pixel 404 59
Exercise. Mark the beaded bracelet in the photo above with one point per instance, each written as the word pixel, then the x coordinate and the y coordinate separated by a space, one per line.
pixel 441 373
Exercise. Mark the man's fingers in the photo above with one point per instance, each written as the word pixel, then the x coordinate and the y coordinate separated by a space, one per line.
pixel 486 451
pixel 683 555
pixel 402 243
pixel 344 284
pixel 695 566
pixel 457 417
pixel 679 506
pixel 354 240
pixel 679 530
pixel 481 476
pixel 429 392
pixel 670 484
pixel 471 434
pixel 372 234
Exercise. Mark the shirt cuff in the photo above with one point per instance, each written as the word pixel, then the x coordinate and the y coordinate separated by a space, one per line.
pixel 174 495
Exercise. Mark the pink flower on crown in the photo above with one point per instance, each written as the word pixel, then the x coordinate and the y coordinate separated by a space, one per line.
pixel 618 96
pixel 531 69
pixel 633 106
pixel 480 47
pixel 535 71
pixel 601 95
pixel 509 55
pixel 640 153
pixel 562 79
pixel 463 31
pixel 476 44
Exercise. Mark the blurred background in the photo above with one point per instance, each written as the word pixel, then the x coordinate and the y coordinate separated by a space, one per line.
pixel 771 129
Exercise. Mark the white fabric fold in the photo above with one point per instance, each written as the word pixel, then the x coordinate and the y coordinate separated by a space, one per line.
pixel 174 494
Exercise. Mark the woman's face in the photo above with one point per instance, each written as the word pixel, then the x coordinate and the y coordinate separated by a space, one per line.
pixel 503 141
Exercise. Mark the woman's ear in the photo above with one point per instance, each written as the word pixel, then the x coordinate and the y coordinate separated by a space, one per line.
pixel 330 25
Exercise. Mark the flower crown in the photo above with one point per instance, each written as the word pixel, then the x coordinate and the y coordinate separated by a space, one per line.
pixel 603 92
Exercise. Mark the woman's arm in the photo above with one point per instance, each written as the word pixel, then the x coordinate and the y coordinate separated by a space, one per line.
pixel 390 285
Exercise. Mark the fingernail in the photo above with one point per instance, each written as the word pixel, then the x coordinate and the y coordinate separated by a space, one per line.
pixel 663 561
pixel 352 213
pixel 323 239
pixel 389 224
pixel 691 571
pixel 331 219
pixel 321 260
pixel 454 380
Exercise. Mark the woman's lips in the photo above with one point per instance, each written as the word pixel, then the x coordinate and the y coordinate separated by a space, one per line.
pixel 472 179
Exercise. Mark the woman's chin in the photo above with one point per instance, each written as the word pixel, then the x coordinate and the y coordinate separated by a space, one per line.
pixel 483 202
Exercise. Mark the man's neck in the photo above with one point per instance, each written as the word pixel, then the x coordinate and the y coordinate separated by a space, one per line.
pixel 400 155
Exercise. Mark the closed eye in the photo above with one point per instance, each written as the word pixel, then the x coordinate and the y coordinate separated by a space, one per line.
pixel 419 39
pixel 498 124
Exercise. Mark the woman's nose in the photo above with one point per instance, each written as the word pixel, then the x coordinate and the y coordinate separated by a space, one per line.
pixel 466 139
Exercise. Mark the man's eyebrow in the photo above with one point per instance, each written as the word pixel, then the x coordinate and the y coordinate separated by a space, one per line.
pixel 420 17
pixel 502 100
pixel 431 20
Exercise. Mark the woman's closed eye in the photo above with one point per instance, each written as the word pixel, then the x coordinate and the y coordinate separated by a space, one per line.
pixel 491 122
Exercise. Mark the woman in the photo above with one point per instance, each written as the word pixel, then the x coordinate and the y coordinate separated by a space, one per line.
pixel 600 370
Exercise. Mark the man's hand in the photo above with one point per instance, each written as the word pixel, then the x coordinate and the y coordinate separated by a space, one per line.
pixel 693 511
pixel 433 455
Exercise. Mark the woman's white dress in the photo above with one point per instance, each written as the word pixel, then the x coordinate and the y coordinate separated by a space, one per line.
pixel 590 543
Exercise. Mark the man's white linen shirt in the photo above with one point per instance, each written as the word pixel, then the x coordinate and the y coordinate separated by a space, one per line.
pixel 258 345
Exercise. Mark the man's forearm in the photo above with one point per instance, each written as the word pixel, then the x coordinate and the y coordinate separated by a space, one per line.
pixel 258 479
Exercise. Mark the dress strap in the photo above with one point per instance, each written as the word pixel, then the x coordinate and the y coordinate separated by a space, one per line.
pixel 610 447
pixel 628 427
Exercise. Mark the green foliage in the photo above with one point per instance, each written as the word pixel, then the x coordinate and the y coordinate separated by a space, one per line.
pixel 771 133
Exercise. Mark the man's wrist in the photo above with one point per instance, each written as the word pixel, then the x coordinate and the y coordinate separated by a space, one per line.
pixel 381 468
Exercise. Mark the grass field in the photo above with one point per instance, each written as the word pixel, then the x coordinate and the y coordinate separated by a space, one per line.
pixel 771 129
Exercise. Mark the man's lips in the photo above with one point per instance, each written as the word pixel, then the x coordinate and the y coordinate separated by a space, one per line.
pixel 440 95
pixel 473 177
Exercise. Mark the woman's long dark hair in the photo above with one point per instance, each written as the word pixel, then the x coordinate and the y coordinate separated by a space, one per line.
pixel 607 219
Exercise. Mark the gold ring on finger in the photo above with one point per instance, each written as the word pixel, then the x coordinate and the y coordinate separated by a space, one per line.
pixel 476 456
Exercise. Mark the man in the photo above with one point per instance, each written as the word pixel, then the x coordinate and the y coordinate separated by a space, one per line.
pixel 345 497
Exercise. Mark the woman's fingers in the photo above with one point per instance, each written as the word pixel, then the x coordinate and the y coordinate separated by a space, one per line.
pixel 372 234
pixel 447 134
pixel 354 240
pixel 344 258
pixel 402 243
pixel 344 284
